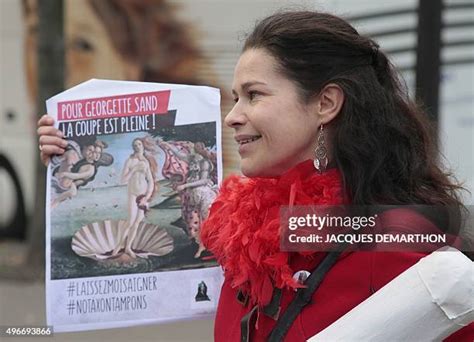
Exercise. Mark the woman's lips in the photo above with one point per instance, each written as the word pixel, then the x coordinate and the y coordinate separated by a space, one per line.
pixel 249 140
pixel 247 143
pixel 246 138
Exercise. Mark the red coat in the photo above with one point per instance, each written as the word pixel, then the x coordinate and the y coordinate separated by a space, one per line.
pixel 350 281
pixel 241 232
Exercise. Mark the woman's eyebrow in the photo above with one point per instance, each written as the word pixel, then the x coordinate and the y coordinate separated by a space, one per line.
pixel 84 28
pixel 247 85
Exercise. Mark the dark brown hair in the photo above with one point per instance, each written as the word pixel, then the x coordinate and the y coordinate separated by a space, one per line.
pixel 383 143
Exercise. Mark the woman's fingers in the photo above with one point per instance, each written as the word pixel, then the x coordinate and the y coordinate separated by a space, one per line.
pixel 49 150
pixel 50 139
pixel 49 130
pixel 50 146
pixel 45 140
pixel 45 127
pixel 46 120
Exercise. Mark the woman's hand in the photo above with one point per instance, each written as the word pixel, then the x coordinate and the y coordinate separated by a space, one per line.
pixel 50 139
pixel 143 202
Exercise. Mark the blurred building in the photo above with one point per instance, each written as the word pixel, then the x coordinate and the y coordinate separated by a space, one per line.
pixel 199 42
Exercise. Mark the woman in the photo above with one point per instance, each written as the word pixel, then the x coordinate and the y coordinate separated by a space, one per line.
pixel 197 189
pixel 308 89
pixel 139 173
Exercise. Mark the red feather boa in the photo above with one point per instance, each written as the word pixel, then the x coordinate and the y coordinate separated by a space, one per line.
pixel 242 230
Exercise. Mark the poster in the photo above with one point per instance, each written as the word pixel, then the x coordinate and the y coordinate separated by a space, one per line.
pixel 125 203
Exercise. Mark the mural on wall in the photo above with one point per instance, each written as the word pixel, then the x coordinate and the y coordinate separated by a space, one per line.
pixel 137 40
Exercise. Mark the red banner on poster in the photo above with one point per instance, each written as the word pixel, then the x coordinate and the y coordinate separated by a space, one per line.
pixel 114 106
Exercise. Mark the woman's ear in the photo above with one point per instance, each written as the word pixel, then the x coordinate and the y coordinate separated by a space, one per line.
pixel 329 102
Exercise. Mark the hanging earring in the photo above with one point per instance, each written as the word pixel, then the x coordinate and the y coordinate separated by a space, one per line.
pixel 321 152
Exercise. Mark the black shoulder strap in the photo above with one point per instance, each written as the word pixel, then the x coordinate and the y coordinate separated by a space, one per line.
pixel 303 297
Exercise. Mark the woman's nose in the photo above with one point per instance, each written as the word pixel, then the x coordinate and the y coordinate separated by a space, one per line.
pixel 236 117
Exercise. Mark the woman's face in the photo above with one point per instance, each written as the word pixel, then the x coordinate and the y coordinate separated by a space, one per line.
pixel 89 50
pixel 137 146
pixel 97 153
pixel 275 130
pixel 89 153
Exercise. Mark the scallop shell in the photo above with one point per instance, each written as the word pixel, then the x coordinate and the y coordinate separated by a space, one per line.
pixel 97 240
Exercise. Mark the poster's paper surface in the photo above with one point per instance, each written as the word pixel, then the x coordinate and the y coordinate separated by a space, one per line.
pixel 125 203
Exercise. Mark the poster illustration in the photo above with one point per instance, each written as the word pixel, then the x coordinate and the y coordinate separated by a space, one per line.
pixel 125 203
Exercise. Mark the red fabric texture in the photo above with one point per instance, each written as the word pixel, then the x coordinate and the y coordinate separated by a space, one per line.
pixel 409 221
pixel 351 281
pixel 242 232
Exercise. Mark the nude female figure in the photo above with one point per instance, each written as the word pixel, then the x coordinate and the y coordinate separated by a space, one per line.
pixel 139 174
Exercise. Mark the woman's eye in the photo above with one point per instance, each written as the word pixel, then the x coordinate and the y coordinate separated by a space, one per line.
pixel 82 45
pixel 252 95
